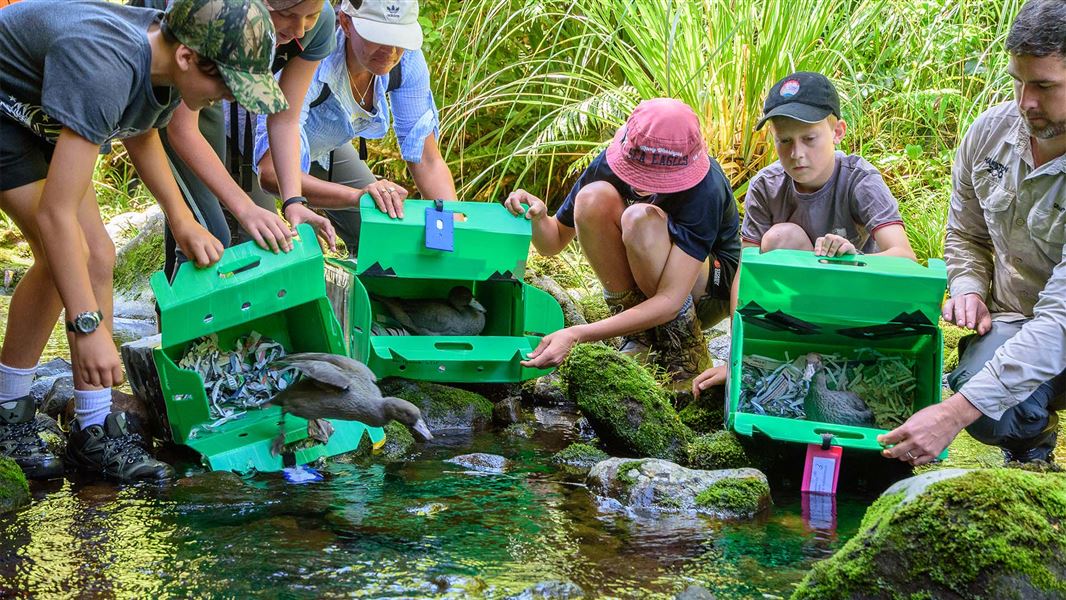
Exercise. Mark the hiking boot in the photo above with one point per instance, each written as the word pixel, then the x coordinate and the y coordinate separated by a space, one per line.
pixel 680 347
pixel 114 452
pixel 34 441
pixel 636 345
pixel 1042 452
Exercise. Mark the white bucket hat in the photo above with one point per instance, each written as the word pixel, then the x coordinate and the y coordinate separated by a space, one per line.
pixel 386 22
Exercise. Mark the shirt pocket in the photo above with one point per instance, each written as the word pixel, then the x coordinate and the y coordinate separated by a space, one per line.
pixel 1048 228
pixel 997 204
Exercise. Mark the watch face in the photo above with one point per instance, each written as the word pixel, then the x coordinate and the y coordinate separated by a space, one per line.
pixel 86 322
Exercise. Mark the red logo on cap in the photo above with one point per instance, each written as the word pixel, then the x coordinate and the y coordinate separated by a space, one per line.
pixel 790 88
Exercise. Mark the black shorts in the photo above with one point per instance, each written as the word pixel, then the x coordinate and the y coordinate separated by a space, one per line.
pixel 714 305
pixel 24 157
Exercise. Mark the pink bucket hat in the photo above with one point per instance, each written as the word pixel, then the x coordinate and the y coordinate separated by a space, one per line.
pixel 660 149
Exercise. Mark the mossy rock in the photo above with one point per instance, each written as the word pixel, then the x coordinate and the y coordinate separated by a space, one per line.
pixel 952 335
pixel 14 489
pixel 986 533
pixel 579 455
pixel 741 497
pixel 139 258
pixel 718 450
pixel 443 407
pixel 706 413
pixel 397 447
pixel 627 408
pixel 593 307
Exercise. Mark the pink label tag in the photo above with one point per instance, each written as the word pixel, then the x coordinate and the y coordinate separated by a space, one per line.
pixel 821 469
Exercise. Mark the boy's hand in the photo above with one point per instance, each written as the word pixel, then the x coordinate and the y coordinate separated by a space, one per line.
pixel 536 210
pixel 833 245
pixel 265 227
pixel 709 378
pixel 197 243
pixel 96 359
pixel 969 311
pixel 298 213
pixel 388 196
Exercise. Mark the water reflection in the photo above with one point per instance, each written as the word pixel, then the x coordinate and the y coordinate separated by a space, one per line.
pixel 365 531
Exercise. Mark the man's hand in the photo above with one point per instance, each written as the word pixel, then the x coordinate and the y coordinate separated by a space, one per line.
pixel 833 245
pixel 925 435
pixel 197 243
pixel 552 350
pixel 265 227
pixel 297 213
pixel 537 209
pixel 95 358
pixel 969 311
pixel 388 196
pixel 709 378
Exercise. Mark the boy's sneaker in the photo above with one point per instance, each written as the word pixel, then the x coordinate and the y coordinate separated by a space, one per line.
pixel 113 451
pixel 35 442
pixel 680 347
pixel 636 345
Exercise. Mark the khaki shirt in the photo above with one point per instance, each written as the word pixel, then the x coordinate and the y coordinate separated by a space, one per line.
pixel 1006 232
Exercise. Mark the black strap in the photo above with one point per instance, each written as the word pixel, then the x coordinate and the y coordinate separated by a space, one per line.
pixel 395 81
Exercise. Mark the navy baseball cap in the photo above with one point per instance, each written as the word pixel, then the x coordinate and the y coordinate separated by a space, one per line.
pixel 804 96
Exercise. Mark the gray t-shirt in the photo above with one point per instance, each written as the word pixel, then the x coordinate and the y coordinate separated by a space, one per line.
pixel 82 64
pixel 853 204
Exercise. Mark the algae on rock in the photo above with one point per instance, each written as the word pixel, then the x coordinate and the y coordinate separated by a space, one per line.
pixel 14 489
pixel 627 408
pixel 718 450
pixel 443 407
pixel 985 533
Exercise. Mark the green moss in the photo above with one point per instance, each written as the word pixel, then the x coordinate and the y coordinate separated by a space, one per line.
pixel 439 401
pixel 718 450
pixel 593 308
pixel 14 490
pixel 705 413
pixel 625 468
pixel 134 266
pixel 991 533
pixel 736 495
pixel 628 410
pixel 952 335
pixel 580 455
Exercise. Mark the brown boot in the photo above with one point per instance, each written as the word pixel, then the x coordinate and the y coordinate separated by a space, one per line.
pixel 680 347
pixel 636 345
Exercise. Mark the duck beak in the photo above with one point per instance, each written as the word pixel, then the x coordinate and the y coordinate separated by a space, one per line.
pixel 474 304
pixel 422 430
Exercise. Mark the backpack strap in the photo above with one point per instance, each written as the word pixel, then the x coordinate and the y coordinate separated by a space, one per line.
pixel 322 97
pixel 395 81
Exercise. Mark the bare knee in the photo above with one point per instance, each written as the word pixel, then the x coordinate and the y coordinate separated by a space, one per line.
pixel 596 205
pixel 643 225
pixel 101 259
pixel 268 179
pixel 784 236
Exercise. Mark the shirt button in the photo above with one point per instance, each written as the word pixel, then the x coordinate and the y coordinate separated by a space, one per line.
pixel 1020 222
pixel 1017 260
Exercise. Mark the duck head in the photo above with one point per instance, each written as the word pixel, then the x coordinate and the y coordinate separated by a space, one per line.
pixel 460 297
pixel 400 410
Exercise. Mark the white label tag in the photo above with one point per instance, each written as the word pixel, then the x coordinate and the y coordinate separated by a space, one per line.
pixel 822 471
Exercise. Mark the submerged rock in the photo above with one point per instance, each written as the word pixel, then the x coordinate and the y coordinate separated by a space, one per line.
pixel 954 533
pixel 551 590
pixel 662 485
pixel 630 412
pixel 480 462
pixel 718 450
pixel 580 456
pixel 443 407
pixel 695 592
pixel 14 489
pixel 507 411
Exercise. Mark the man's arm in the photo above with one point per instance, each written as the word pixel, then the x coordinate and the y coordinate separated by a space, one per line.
pixel 146 153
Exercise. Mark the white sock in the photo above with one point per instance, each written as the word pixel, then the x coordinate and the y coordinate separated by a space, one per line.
pixel 91 407
pixel 15 383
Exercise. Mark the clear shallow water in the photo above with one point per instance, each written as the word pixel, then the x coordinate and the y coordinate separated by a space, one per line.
pixel 422 528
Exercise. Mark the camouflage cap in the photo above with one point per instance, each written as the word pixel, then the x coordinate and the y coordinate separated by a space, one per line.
pixel 239 37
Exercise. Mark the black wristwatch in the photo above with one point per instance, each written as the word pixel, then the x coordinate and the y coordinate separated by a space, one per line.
pixel 85 323
pixel 291 201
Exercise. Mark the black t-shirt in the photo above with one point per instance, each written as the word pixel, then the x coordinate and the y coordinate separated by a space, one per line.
pixel 82 64
pixel 702 220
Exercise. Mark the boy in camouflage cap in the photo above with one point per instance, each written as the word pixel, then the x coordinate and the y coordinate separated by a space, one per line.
pixel 76 74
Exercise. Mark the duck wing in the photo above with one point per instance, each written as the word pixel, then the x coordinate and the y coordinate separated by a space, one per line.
pixel 340 361
pixel 323 373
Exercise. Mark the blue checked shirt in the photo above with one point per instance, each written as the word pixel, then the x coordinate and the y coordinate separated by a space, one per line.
pixel 339 119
